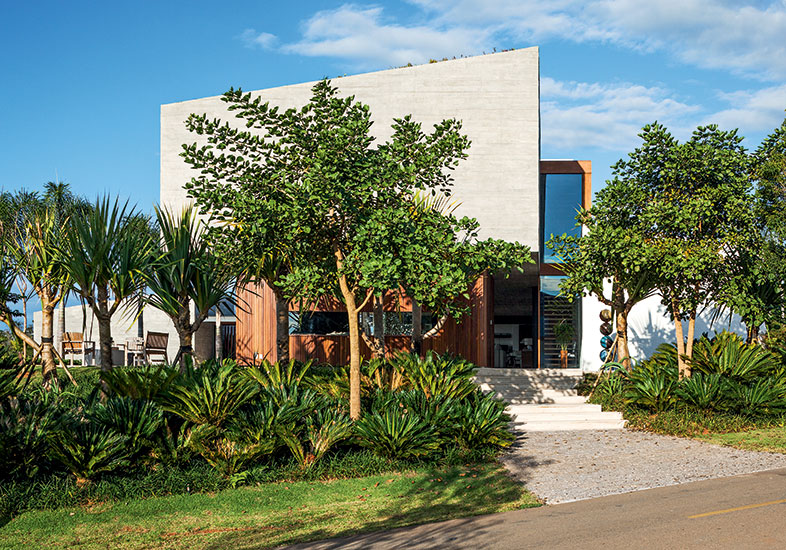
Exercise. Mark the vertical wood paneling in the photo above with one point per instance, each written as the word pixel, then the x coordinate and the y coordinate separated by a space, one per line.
pixel 471 338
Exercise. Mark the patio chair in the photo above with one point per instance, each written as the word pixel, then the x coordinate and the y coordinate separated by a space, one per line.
pixel 155 345
pixel 75 344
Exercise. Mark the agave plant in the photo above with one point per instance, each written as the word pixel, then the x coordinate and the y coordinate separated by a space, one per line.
pixel 87 449
pixel 145 382
pixel 209 395
pixel 142 422
pixel 396 434
pixel 437 374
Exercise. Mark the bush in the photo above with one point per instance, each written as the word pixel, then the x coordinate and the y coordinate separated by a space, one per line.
pixel 145 382
pixel 208 395
pixel 729 356
pixel 25 428
pixel 652 384
pixel 142 422
pixel 437 374
pixel 396 434
pixel 87 449
pixel 480 423
pixel 703 391
pixel 762 398
pixel 276 375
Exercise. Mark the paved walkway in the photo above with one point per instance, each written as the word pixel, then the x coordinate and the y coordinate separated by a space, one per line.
pixel 735 512
pixel 568 466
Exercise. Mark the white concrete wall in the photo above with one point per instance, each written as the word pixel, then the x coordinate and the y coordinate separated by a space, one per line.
pixel 495 96
pixel 648 327
pixel 124 329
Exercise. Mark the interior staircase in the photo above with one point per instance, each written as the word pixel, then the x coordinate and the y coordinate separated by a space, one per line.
pixel 546 400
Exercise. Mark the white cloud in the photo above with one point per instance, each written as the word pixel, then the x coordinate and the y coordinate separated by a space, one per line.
pixel 742 37
pixel 607 116
pixel 254 39
pixel 363 35
pixel 752 111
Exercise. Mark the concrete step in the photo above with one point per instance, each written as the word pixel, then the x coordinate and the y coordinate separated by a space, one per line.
pixel 568 425
pixel 574 373
pixel 564 417
pixel 544 400
pixel 567 408
pixel 518 392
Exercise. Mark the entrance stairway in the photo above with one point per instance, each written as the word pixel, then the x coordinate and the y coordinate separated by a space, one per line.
pixel 545 400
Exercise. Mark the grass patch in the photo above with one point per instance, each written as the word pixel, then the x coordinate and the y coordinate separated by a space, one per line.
pixel 271 514
pixel 772 439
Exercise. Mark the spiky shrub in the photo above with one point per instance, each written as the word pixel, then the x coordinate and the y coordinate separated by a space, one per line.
pixel 274 375
pixel 437 374
pixel 380 374
pixel 229 450
pixel 86 449
pixel 729 356
pixel 314 435
pixel 703 391
pixel 652 385
pixel 26 424
pixel 765 397
pixel 479 423
pixel 396 434
pixel 208 395
pixel 145 382
pixel 142 422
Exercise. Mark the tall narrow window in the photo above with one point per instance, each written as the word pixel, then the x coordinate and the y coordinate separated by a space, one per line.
pixel 560 327
pixel 561 201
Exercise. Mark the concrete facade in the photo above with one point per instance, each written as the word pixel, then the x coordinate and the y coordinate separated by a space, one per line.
pixel 497 98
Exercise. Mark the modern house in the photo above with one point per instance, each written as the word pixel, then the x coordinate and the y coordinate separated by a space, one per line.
pixel 514 194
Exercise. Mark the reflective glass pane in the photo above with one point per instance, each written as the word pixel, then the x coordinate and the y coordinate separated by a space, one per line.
pixel 561 201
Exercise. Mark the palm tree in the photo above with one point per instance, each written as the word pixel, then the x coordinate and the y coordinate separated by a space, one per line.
pixel 185 271
pixel 107 257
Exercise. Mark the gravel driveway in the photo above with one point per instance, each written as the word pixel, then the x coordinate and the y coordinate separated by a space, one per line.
pixel 567 466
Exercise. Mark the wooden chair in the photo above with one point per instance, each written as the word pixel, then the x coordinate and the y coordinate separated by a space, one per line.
pixel 75 344
pixel 155 345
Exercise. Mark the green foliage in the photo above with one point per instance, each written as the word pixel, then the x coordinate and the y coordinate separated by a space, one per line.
pixel 209 394
pixel 311 437
pixel 727 355
pixel 652 385
pixel 142 422
pixel 87 449
pixel 25 427
pixel 394 433
pixel 437 374
pixel 480 422
pixel 276 374
pixel 765 397
pixel 703 391
pixel 144 382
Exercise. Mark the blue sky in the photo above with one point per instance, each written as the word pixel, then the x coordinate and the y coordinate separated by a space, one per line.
pixel 83 81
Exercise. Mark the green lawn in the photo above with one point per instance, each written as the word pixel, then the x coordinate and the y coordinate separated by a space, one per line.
pixel 764 439
pixel 273 514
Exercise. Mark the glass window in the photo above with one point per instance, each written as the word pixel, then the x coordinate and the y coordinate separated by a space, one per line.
pixel 557 310
pixel 561 201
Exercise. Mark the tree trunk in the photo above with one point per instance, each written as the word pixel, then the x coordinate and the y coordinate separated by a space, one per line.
pixel 24 329
pixel 219 340
pixel 48 369
pixel 753 334
pixel 379 326
pixel 282 327
pixel 354 337
pixel 622 338
pixel 689 343
pixel 61 327
pixel 185 336
pixel 681 365
pixel 104 328
pixel 417 328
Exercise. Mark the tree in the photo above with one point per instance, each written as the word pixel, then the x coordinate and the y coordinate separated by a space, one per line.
pixel 697 215
pixel 613 248
pixel 107 256
pixel 310 184
pixel 183 271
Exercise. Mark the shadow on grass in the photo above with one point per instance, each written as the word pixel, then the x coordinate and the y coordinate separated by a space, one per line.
pixel 482 495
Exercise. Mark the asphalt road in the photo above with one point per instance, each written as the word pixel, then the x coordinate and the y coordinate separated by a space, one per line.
pixel 746 511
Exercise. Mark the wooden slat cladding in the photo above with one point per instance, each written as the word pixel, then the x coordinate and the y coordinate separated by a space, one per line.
pixel 472 338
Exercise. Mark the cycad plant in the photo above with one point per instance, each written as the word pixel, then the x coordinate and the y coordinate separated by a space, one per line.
pixel 394 433
pixel 185 270
pixel 107 254
pixel 87 449
pixel 437 374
